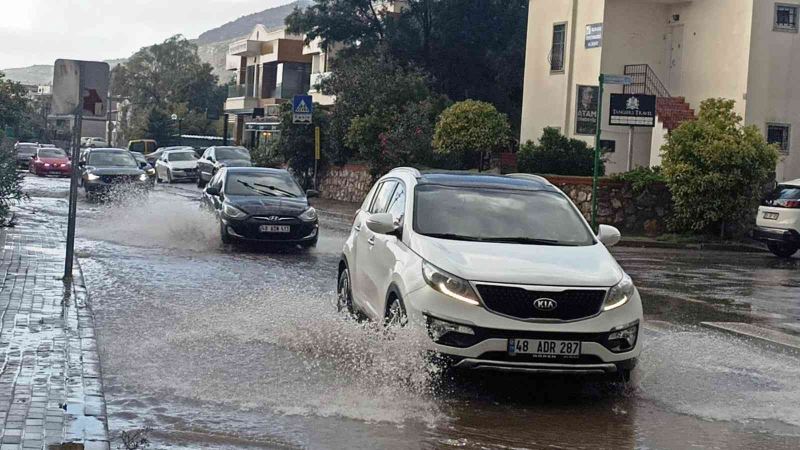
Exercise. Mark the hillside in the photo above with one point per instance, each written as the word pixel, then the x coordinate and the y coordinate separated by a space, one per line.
pixel 39 74
pixel 270 18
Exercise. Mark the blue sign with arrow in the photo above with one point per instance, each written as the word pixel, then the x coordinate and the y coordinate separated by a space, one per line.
pixel 302 109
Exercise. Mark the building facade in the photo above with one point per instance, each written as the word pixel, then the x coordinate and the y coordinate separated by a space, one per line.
pixel 270 68
pixel 682 51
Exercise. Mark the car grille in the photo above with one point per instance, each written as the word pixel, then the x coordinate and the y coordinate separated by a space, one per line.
pixel 118 179
pixel 519 303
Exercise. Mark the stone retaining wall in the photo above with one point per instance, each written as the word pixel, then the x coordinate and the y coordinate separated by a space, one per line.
pixel 348 183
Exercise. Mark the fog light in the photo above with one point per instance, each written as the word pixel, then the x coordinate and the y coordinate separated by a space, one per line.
pixel 452 334
pixel 623 340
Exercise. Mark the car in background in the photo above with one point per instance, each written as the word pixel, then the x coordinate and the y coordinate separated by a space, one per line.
pixel 153 157
pixel 144 165
pixel 215 158
pixel 503 272
pixel 177 165
pixel 143 146
pixel 778 220
pixel 24 152
pixel 105 169
pixel 264 205
pixel 93 142
pixel 50 161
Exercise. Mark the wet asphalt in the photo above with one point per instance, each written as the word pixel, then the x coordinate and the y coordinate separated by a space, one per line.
pixel 232 347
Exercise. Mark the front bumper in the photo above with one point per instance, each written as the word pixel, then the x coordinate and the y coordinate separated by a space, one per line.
pixel 487 349
pixel 104 185
pixel 53 170
pixel 780 235
pixel 184 175
pixel 249 230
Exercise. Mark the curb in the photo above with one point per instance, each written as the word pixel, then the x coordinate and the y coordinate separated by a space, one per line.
pixel 770 337
pixel 642 243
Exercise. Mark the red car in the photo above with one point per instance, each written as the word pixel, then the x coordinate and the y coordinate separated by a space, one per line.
pixel 50 161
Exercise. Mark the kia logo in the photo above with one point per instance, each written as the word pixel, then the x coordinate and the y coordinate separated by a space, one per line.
pixel 545 304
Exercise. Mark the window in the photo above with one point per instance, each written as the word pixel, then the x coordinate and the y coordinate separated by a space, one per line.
pixel 397 206
pixel 785 17
pixel 383 196
pixel 779 134
pixel 557 50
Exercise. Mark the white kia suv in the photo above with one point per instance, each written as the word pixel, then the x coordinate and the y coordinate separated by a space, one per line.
pixel 778 221
pixel 502 271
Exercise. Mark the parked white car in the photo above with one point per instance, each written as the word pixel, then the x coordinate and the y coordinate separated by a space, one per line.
pixel 503 272
pixel 93 142
pixel 778 221
pixel 177 165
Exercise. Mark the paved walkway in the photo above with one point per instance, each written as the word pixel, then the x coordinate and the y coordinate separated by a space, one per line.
pixel 50 386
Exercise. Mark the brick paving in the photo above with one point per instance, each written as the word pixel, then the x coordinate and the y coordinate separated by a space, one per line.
pixel 50 386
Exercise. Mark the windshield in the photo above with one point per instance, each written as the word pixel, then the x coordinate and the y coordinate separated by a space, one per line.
pixel 111 159
pixel 52 153
pixel 498 215
pixel 232 153
pixel 27 149
pixel 182 156
pixel 783 195
pixel 262 184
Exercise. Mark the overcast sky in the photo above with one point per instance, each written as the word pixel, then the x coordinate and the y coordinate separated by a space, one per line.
pixel 41 31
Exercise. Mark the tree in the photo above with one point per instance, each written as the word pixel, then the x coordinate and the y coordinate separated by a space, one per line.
pixel 14 106
pixel 715 168
pixel 558 155
pixel 295 143
pixel 470 129
pixel 160 127
pixel 10 178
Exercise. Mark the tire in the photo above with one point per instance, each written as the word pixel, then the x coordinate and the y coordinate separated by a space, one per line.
pixel 344 294
pixel 782 250
pixel 224 235
pixel 200 183
pixel 169 177
pixel 395 313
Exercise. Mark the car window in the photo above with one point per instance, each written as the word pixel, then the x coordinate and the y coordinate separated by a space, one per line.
pixel 216 180
pixel 783 195
pixel 111 159
pixel 383 196
pixel 232 153
pixel 137 147
pixel 27 149
pixel 52 153
pixel 209 153
pixel 368 199
pixel 181 156
pixel 397 205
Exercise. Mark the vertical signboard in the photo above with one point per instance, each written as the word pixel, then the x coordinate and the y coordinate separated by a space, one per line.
pixel 586 110
pixel 632 110
pixel 302 109
pixel 594 35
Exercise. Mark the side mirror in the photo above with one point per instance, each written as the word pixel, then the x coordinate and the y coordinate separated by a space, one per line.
pixel 382 223
pixel 311 193
pixel 212 190
pixel 608 235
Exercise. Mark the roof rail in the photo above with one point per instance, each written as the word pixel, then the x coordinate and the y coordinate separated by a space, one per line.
pixel 529 176
pixel 411 170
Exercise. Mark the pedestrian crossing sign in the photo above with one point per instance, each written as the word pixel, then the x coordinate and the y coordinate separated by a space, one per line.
pixel 302 109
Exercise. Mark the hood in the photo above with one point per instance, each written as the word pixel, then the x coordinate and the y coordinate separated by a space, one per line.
pixel 54 160
pixel 590 266
pixel 236 163
pixel 180 165
pixel 279 206
pixel 115 170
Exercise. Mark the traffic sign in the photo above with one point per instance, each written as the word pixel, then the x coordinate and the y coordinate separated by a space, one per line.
pixel 302 109
pixel 80 84
pixel 617 79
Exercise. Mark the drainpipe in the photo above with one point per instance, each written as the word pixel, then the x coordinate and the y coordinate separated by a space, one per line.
pixel 573 26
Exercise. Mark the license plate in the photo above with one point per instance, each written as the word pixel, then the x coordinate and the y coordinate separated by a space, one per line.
pixel 542 347
pixel 275 229
pixel 771 216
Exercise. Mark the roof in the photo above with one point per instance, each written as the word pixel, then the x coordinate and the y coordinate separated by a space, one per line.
pixel 256 170
pixel 108 149
pixel 471 179
pixel 791 182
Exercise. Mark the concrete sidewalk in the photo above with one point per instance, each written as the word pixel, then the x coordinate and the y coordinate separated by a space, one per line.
pixel 50 385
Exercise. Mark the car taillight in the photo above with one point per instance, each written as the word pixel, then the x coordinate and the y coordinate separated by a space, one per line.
pixel 792 204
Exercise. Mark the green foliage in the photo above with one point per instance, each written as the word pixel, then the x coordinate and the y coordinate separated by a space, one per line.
pixel 10 179
pixel 469 129
pixel 14 107
pixel 715 168
pixel 160 127
pixel 295 143
pixel 267 154
pixel 641 177
pixel 558 155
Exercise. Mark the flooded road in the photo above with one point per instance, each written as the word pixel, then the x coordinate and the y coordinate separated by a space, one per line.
pixel 230 348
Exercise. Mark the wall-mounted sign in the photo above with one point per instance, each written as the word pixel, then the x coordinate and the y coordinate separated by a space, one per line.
pixel 586 110
pixel 608 145
pixel 632 110
pixel 594 35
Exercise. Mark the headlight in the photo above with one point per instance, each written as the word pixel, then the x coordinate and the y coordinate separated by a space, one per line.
pixel 619 294
pixel 233 212
pixel 92 177
pixel 309 215
pixel 448 284
pixel 143 177
pixel 47 164
pixel 151 171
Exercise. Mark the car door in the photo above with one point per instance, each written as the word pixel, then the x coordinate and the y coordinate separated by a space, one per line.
pixel 365 290
pixel 386 250
pixel 214 202
pixel 205 165
pixel 161 167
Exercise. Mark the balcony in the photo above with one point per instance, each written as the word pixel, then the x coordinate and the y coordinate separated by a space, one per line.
pixel 245 47
pixel 237 91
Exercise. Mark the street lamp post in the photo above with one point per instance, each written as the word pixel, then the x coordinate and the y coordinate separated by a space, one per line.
pixel 180 127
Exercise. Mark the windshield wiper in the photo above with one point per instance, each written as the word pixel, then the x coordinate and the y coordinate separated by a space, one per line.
pixel 288 194
pixel 250 186
pixel 454 237
pixel 528 240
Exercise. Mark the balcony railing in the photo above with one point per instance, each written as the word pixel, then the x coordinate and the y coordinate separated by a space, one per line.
pixel 236 91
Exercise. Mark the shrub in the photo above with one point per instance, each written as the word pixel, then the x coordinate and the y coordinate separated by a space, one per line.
pixel 470 129
pixel 715 168
pixel 267 154
pixel 295 144
pixel 10 179
pixel 641 177
pixel 558 155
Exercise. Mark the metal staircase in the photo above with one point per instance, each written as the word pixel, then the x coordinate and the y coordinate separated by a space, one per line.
pixel 671 111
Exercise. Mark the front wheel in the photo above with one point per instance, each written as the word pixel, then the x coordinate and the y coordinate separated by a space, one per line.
pixel 782 250
pixel 200 183
pixel 169 176
pixel 396 313
pixel 344 298
pixel 223 233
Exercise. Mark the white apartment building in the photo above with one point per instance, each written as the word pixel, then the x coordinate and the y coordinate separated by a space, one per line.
pixel 682 51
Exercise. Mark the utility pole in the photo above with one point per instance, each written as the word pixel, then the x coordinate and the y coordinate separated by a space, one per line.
pixel 73 184
pixel 596 170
